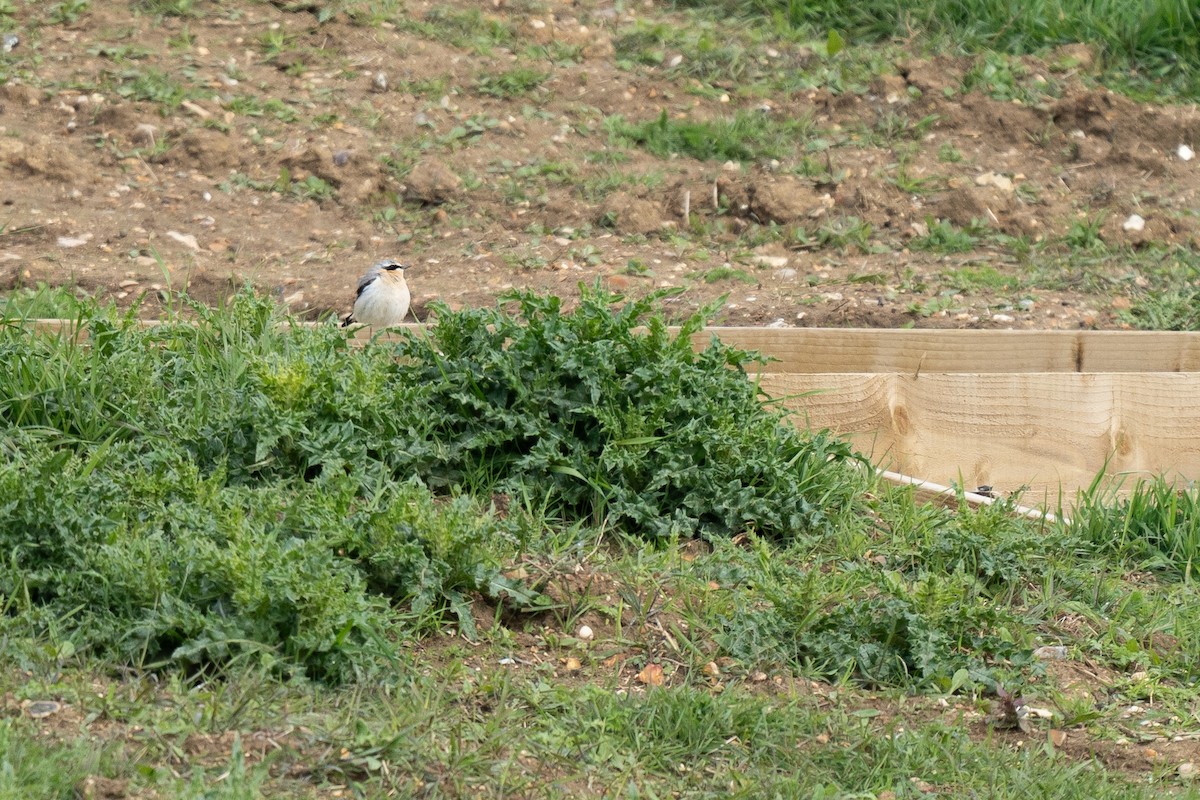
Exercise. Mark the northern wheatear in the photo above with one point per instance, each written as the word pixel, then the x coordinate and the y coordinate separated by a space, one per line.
pixel 382 298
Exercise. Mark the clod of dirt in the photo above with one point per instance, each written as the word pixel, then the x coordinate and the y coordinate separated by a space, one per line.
pixel 96 787
pixel 787 200
pixel 628 214
pixel 40 157
pixel 432 182
pixel 1093 113
pixel 893 89
pixel 968 204
pixel 316 161
pixel 209 151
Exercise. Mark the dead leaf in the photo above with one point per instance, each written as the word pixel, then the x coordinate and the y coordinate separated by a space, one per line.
pixel 652 675
pixel 1058 738
pixel 711 669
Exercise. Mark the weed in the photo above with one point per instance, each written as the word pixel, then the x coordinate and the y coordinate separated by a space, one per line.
pixel 1155 526
pixel 728 273
pixel 513 83
pixel 911 184
pixel 460 28
pixel 168 8
pixel 1166 310
pixel 1084 234
pixel 949 154
pixel 629 457
pixel 68 11
pixel 743 137
pixel 945 237
pixel 154 86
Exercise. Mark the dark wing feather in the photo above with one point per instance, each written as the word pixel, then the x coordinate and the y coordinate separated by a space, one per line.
pixel 365 281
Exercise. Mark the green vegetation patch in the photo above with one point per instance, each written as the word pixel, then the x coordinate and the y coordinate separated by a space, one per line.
pixel 744 136
pixel 195 494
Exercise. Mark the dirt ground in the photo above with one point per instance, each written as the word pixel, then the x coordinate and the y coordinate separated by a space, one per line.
pixel 255 142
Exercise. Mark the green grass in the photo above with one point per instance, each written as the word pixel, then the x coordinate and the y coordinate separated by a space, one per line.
pixel 512 83
pixel 1158 40
pixel 745 136
pixel 380 558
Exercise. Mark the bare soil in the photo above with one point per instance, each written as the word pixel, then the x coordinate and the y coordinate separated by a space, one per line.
pixel 306 150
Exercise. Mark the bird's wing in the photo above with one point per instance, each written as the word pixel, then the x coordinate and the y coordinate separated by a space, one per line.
pixel 365 281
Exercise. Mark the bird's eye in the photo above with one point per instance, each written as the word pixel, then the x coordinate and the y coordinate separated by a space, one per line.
pixel 391 267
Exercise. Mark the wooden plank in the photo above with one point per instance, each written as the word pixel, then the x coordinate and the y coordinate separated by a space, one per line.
pixel 824 350
pixel 1047 431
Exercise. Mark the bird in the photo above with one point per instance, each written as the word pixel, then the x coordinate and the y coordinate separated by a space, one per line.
pixel 382 298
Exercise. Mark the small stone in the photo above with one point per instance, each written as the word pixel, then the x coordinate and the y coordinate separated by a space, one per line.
pixel 1058 738
pixel 777 262
pixel 185 239
pixel 585 633
pixel 1002 318
pixel 1055 653
pixel 379 82
pixel 1134 223
pixel 1001 182
pixel 9 42
pixel 1187 771
pixel 786 274
pixel 127 284
pixel 1185 153
pixel 572 664
pixel 74 241
pixel 341 158
pixel 294 299
pixel 674 61
pixel 40 709
pixel 778 322
pixel 711 669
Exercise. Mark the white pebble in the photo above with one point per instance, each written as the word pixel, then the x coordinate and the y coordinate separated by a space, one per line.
pixel 1185 153
pixel 585 633
pixel 1134 223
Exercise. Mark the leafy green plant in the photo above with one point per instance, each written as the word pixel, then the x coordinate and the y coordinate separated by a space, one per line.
pixel 68 11
pixel 944 237
pixel 742 137
pixel 1084 234
pixel 611 424
pixel 875 627
pixel 182 496
pixel 513 83
pixel 1167 310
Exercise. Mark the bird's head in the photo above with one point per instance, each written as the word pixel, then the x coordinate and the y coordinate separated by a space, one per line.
pixel 390 271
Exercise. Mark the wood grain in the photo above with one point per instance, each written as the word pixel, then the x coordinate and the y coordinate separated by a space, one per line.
pixel 1048 431
pixel 822 350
